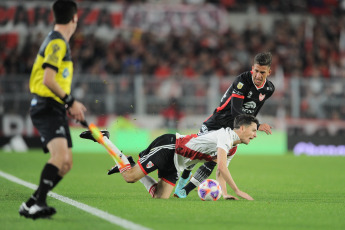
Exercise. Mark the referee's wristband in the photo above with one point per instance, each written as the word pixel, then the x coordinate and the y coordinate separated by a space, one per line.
pixel 68 100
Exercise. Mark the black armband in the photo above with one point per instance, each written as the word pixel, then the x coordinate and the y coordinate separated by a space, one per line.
pixel 68 100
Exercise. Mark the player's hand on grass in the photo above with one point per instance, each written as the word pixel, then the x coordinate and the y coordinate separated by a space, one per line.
pixel 229 197
pixel 77 111
pixel 265 128
pixel 243 195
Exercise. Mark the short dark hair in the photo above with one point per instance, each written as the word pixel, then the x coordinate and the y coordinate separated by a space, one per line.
pixel 64 10
pixel 263 59
pixel 245 119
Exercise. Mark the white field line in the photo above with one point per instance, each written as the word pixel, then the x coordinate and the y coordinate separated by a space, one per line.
pixel 93 211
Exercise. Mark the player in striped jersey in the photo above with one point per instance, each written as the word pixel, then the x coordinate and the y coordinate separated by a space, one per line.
pixel 170 154
pixel 246 95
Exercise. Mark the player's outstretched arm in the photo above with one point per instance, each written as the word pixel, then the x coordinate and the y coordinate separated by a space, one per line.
pixel 224 172
pixel 222 183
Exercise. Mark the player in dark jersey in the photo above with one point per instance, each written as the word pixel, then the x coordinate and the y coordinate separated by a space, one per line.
pixel 50 84
pixel 246 95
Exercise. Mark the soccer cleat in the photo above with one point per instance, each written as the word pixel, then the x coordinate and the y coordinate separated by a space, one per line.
pixel 87 135
pixel 181 183
pixel 181 193
pixel 24 210
pixel 38 211
pixel 116 169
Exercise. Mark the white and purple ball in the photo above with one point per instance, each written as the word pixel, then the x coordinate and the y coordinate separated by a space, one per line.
pixel 209 189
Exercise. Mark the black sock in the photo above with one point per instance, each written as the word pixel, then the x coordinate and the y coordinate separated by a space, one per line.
pixel 189 187
pixel 185 174
pixel 32 200
pixel 48 177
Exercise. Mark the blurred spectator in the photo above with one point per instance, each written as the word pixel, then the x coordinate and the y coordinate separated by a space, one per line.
pixel 303 48
pixel 172 114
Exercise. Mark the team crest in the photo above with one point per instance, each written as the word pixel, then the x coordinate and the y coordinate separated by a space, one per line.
pixel 149 165
pixel 261 96
pixel 239 85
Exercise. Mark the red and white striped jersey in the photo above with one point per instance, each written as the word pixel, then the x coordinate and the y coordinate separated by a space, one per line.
pixel 192 149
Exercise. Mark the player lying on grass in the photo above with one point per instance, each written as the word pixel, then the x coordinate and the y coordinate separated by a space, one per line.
pixel 171 154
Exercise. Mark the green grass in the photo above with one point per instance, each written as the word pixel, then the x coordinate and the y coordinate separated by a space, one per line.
pixel 290 193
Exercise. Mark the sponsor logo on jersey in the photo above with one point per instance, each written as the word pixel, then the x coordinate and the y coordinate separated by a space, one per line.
pixel 204 129
pixel 65 73
pixel 249 107
pixel 149 165
pixel 250 94
pixel 236 92
pixel 261 96
pixel 239 85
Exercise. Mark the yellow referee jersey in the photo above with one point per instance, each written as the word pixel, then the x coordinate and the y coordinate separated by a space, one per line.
pixel 56 54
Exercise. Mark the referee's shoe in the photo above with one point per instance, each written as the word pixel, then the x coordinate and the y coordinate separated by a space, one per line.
pixel 36 211
pixel 87 135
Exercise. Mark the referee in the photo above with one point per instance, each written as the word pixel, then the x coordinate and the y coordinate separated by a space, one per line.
pixel 50 84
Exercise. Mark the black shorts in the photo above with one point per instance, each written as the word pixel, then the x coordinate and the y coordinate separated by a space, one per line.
pixel 160 155
pixel 50 119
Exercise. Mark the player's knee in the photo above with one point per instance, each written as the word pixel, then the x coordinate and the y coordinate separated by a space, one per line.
pixel 66 168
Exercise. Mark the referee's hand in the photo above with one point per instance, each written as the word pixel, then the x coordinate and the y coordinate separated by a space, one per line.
pixel 77 111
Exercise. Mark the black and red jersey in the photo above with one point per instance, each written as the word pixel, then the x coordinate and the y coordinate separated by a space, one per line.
pixel 242 97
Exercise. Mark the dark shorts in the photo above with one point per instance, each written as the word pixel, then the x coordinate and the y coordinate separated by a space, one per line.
pixel 50 119
pixel 160 155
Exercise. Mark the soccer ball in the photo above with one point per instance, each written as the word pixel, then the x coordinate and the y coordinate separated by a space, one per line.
pixel 209 190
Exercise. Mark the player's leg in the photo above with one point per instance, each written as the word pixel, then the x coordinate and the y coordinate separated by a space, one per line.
pixel 58 165
pixel 163 190
pixel 185 177
pixel 61 155
pixel 159 155
pixel 133 175
pixel 49 117
pixel 200 175
pixel 127 162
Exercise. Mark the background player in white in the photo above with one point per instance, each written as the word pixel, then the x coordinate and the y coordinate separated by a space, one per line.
pixel 170 154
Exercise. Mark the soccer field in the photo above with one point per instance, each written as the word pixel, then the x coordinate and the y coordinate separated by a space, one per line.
pixel 290 193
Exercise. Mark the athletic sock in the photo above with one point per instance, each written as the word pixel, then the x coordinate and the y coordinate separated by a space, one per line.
pixel 189 187
pixel 32 200
pixel 48 177
pixel 185 174
pixel 150 184
pixel 120 155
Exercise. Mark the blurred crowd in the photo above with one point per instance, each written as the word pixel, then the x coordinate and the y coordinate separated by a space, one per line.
pixel 300 49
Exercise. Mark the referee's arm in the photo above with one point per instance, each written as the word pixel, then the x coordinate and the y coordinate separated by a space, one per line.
pixel 77 109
